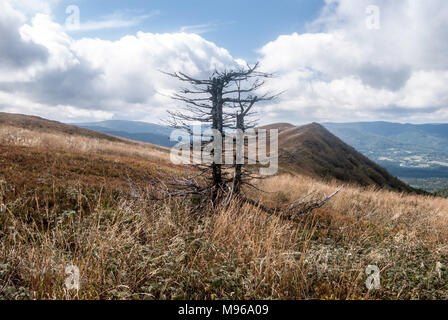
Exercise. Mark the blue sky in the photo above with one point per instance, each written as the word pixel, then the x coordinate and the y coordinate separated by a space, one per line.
pixel 335 60
pixel 241 26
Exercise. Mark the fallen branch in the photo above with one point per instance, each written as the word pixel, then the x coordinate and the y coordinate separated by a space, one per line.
pixel 259 205
pixel 294 210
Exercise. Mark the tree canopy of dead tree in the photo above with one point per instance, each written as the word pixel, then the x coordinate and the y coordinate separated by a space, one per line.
pixel 223 102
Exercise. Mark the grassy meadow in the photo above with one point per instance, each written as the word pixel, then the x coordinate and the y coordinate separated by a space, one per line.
pixel 68 201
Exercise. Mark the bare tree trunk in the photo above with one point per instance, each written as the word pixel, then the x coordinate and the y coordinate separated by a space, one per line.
pixel 217 124
pixel 238 176
pixel 213 101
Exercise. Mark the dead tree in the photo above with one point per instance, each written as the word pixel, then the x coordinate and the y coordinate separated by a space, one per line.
pixel 225 102
pixel 222 102
pixel 245 99
pixel 203 104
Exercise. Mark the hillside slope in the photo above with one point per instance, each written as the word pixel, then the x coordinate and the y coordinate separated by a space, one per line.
pixel 314 151
pixel 417 153
pixel 49 126
pixel 134 130
pixel 442 193
pixel 66 201
pixel 310 149
pixel 36 132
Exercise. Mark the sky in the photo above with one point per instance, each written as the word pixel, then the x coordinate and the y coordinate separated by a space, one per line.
pixel 335 60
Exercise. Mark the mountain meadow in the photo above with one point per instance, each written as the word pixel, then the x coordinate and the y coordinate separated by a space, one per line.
pixel 72 196
pixel 413 153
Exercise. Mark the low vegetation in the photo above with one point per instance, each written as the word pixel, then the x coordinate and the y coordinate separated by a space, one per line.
pixel 313 151
pixel 442 193
pixel 92 207
pixel 79 142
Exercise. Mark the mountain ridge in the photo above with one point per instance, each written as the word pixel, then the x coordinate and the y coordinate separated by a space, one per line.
pixel 417 153
pixel 313 150
pixel 310 150
pixel 46 125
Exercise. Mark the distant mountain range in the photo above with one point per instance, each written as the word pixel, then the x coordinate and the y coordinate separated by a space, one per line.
pixel 310 150
pixel 417 154
pixel 134 130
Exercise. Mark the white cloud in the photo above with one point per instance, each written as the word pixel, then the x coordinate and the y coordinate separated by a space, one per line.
pixel 113 21
pixel 340 70
pixel 19 104
pixel 94 77
pixel 337 71
pixel 203 28
pixel 18 55
pixel 198 28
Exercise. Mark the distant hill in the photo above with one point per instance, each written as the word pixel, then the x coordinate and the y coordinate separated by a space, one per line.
pixel 319 153
pixel 314 151
pixel 42 135
pixel 311 150
pixel 134 130
pixel 49 126
pixel 416 153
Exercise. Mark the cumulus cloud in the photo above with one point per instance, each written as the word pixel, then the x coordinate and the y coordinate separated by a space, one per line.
pixel 15 52
pixel 340 70
pixel 104 78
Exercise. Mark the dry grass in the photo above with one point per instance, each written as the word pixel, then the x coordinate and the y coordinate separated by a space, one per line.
pixel 16 136
pixel 128 246
pixel 404 235
pixel 132 248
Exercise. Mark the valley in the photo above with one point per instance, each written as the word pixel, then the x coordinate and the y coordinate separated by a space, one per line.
pixel 417 154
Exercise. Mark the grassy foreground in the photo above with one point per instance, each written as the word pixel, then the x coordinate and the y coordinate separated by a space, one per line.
pixel 72 208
